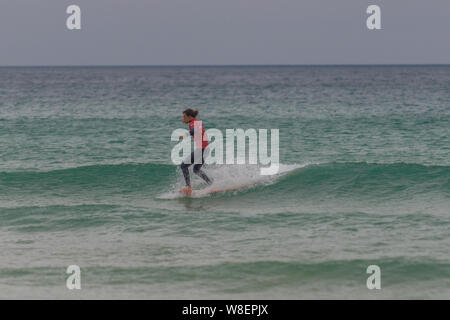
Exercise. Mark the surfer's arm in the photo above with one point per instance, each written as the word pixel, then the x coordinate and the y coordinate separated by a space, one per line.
pixel 184 135
pixel 191 132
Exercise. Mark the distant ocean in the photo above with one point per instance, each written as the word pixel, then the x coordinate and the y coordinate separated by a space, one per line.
pixel 86 179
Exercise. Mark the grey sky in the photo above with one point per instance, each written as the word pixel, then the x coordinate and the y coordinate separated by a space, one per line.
pixel 166 32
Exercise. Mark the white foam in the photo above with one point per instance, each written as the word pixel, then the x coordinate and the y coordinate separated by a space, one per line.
pixel 228 177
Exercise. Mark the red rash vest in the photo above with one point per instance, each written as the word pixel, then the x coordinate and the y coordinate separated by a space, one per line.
pixel 194 127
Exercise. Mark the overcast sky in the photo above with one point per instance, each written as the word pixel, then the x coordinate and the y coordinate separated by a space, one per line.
pixel 221 32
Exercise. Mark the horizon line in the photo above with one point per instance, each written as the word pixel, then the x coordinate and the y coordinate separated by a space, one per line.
pixel 222 65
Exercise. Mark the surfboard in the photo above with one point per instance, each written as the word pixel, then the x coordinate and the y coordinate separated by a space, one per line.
pixel 208 190
pixel 224 190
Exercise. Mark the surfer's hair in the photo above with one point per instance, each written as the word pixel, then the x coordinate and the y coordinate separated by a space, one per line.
pixel 191 112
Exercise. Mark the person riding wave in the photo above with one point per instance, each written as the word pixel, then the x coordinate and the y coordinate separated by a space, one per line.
pixel 200 152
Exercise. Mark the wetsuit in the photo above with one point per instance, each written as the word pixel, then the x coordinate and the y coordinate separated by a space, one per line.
pixel 199 154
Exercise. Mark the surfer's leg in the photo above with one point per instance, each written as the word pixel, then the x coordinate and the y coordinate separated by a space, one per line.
pixel 197 168
pixel 201 174
pixel 185 168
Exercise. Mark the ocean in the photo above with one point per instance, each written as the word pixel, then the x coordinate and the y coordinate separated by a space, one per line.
pixel 86 179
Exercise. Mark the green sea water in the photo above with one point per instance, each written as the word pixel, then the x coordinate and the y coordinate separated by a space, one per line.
pixel 86 179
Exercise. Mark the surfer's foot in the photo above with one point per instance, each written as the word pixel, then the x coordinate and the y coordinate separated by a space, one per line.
pixel 186 189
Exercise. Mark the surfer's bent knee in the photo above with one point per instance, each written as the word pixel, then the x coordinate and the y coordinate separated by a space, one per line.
pixel 184 166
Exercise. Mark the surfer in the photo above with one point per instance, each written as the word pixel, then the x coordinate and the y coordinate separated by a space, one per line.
pixel 199 154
